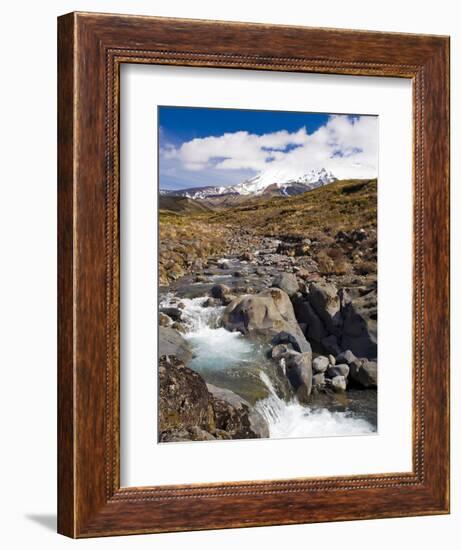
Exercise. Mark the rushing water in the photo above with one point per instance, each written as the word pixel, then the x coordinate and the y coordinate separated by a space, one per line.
pixel 229 360
pixel 291 419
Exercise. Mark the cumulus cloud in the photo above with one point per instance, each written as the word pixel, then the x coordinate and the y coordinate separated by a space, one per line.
pixel 346 145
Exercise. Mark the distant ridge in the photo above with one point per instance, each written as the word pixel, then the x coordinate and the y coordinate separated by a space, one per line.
pixel 183 205
pixel 275 182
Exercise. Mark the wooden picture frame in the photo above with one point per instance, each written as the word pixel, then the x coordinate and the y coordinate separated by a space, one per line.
pixel 92 48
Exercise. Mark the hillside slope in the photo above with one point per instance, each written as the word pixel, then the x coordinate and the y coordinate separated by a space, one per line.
pixel 181 205
pixel 339 206
pixel 333 225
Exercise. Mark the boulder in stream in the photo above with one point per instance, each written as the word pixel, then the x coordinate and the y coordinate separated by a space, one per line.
pixel 324 299
pixel 364 373
pixel 331 345
pixel 264 316
pixel 191 410
pixel 184 400
pixel 174 313
pixel 291 341
pixel 346 357
pixel 320 364
pixel 359 333
pixel 314 327
pixel 279 350
pixel 339 384
pixel 338 370
pixel 236 416
pixel 318 380
pixel 219 291
pixel 299 372
pixel 172 344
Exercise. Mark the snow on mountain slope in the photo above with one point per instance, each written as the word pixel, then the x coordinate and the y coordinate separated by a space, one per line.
pixel 289 182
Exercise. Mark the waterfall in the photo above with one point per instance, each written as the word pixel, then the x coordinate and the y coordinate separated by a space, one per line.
pixel 214 346
pixel 291 419
pixel 219 351
pixel 195 316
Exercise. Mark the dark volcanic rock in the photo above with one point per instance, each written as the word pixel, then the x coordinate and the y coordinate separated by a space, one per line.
pixel 324 298
pixel 299 373
pixel 303 248
pixel 346 357
pixel 279 350
pixel 338 370
pixel 184 400
pixel 173 312
pixel 219 291
pixel 235 416
pixel 191 410
pixel 364 373
pixel 306 315
pixel 359 333
pixel 286 248
pixel 289 339
pixel 331 345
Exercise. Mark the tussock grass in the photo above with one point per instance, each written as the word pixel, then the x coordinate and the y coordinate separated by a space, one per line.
pixel 339 206
pixel 189 237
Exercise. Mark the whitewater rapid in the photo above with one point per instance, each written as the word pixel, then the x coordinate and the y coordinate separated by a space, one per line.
pixel 217 349
pixel 291 419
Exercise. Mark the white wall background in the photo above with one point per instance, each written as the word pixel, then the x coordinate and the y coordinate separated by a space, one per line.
pixel 28 271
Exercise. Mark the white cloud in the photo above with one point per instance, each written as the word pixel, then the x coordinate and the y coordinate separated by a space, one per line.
pixel 348 146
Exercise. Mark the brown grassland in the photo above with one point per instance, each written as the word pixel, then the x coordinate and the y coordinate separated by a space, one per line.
pixel 191 232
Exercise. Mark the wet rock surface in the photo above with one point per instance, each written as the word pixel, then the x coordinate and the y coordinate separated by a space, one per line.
pixel 173 344
pixel 191 410
pixel 266 315
pixel 235 415
pixel 298 369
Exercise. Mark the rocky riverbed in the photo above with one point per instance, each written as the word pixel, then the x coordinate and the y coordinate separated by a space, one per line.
pixel 259 342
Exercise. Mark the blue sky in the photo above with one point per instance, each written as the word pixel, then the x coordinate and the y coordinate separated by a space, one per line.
pixel 199 146
pixel 181 124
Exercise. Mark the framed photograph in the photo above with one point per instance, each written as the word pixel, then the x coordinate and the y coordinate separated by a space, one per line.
pixel 253 275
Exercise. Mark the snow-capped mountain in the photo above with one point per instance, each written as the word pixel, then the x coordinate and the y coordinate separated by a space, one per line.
pixel 279 181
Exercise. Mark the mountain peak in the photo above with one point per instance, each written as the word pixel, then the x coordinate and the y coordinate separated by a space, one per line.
pixel 287 181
